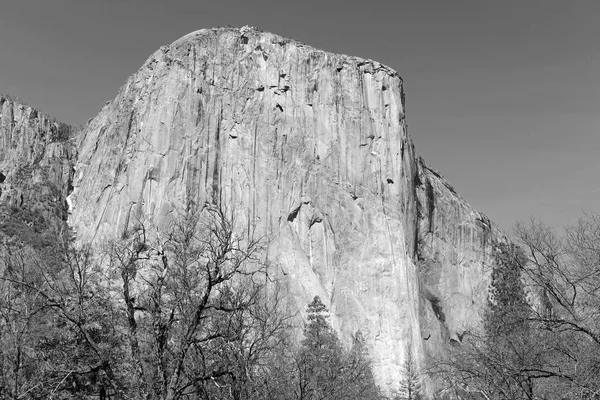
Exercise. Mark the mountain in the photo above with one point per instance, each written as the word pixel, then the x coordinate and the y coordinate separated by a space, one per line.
pixel 309 148
pixel 36 161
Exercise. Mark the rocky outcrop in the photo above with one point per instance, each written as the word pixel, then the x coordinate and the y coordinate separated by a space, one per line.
pixel 454 258
pixel 310 147
pixel 36 161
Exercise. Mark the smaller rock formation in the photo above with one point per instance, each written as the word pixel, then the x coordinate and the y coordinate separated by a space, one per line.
pixel 36 170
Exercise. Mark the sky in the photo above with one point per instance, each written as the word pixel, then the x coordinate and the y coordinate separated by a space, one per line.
pixel 503 97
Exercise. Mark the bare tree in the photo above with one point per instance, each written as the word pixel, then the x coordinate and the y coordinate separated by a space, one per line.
pixel 59 320
pixel 20 306
pixel 564 279
pixel 193 299
pixel 187 313
pixel 541 334
pixel 502 358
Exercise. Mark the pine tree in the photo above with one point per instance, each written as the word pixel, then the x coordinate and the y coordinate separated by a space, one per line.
pixel 319 336
pixel 509 343
pixel 326 371
pixel 358 373
pixel 410 384
pixel 320 359
pixel 508 309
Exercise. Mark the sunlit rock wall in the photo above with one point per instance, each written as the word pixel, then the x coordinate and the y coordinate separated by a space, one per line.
pixel 36 160
pixel 454 258
pixel 312 148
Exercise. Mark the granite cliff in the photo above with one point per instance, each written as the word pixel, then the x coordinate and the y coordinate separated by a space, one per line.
pixel 310 147
pixel 36 160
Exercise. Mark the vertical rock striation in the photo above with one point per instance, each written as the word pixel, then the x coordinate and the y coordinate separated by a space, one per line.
pixel 311 147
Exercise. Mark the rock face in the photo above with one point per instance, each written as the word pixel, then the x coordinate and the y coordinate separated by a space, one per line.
pixel 454 258
pixel 313 148
pixel 36 161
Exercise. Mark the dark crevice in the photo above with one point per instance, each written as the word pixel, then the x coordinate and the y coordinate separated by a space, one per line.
pixel 436 306
pixel 71 176
pixel 416 180
pixel 430 204
pixel 2 177
pixel 314 220
pixel 292 216
pixel 216 175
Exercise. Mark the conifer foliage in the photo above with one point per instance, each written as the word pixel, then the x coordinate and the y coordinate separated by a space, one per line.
pixel 507 308
pixel 325 370
pixel 321 354
pixel 410 384
pixel 504 358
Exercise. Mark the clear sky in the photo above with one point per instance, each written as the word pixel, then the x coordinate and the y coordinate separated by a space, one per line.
pixel 503 97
